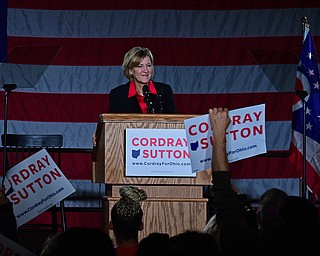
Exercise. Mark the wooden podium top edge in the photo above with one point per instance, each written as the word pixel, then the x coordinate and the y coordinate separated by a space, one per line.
pixel 106 117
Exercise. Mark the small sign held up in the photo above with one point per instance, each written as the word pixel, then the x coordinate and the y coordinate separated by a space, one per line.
pixel 246 136
pixel 37 184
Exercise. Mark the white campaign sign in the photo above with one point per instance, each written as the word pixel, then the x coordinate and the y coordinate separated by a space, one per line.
pixel 157 152
pixel 11 248
pixel 246 136
pixel 37 184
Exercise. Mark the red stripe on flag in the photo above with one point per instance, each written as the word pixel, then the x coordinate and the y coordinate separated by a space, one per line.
pixel 214 51
pixel 77 166
pixel 263 168
pixel 91 219
pixel 312 177
pixel 168 5
pixel 65 107
pixel 55 107
pixel 278 105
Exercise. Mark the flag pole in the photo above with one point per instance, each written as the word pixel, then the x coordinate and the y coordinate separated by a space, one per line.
pixel 302 95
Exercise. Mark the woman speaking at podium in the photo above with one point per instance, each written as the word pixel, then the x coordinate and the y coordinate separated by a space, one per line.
pixel 141 94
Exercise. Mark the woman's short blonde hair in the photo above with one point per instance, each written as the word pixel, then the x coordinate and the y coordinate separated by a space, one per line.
pixel 133 58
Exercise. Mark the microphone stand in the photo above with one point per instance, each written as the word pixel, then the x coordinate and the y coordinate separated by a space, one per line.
pixel 8 88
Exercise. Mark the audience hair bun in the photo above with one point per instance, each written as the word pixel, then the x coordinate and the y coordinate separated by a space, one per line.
pixel 133 193
pixel 129 204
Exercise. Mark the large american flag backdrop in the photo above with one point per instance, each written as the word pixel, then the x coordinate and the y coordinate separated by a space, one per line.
pixel 229 53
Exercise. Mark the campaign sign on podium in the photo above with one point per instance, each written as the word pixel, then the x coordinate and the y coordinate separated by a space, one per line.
pixel 157 152
pixel 246 136
pixel 36 184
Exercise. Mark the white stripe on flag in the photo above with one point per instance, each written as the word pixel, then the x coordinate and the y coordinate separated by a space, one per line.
pixel 183 23
pixel 213 79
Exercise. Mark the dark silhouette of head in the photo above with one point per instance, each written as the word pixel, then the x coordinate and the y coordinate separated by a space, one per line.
pixel 268 212
pixel 298 214
pixel 192 243
pixel 79 241
pixel 155 244
pixel 299 227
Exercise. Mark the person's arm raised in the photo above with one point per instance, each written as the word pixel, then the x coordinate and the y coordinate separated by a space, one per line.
pixel 235 237
pixel 219 121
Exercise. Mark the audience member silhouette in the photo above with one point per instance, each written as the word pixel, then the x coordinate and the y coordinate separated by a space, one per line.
pixel 192 243
pixel 155 244
pixel 247 211
pixel 299 232
pixel 8 224
pixel 126 220
pixel 268 212
pixel 49 246
pixel 268 220
pixel 212 227
pixel 79 241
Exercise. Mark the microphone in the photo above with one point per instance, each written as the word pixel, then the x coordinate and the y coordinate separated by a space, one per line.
pixel 145 90
pixel 148 99
pixel 155 103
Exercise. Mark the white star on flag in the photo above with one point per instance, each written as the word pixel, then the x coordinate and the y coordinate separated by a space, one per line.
pixel 309 126
pixel 308 111
pixel 311 72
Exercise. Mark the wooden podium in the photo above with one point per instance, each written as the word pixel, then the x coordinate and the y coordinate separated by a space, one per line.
pixel 174 204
